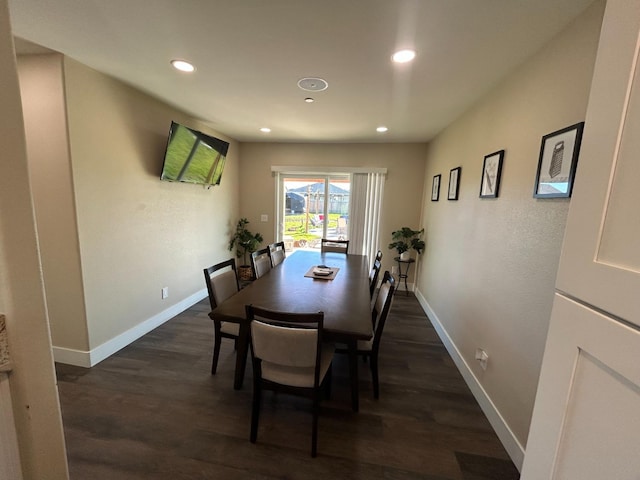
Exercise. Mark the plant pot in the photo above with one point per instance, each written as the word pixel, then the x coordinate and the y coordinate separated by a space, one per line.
pixel 245 272
pixel 404 256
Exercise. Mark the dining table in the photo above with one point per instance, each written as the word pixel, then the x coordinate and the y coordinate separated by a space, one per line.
pixel 291 286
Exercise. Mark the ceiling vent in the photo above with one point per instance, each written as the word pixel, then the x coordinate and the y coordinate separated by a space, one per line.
pixel 313 84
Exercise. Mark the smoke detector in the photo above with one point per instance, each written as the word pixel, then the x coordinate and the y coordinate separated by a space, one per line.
pixel 312 84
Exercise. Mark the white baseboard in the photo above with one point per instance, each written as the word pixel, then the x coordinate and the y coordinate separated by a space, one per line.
pixel 511 444
pixel 89 359
pixel 69 356
pixel 400 285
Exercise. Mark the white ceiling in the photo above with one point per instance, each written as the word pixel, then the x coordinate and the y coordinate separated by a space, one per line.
pixel 250 55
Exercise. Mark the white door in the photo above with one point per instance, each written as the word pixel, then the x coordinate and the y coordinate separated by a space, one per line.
pixel 586 419
pixel 600 262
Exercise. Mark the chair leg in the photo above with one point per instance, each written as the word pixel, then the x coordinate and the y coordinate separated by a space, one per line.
pixel 216 351
pixel 328 379
pixel 373 360
pixel 255 411
pixel 314 428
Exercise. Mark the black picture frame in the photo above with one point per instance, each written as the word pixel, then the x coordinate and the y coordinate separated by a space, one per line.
pixel 454 183
pixel 435 188
pixel 557 163
pixel 491 173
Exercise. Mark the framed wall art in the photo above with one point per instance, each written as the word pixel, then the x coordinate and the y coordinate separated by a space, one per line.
pixel 435 188
pixel 491 171
pixel 557 163
pixel 454 183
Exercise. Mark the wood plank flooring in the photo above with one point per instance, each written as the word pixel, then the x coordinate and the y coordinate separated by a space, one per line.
pixel 153 411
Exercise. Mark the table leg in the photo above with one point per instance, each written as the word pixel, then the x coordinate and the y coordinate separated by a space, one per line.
pixel 353 369
pixel 241 355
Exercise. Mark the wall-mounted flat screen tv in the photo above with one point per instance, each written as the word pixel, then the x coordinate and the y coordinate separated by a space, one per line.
pixel 193 157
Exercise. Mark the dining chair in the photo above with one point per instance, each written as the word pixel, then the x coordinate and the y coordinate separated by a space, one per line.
pixel 277 253
pixel 288 356
pixel 374 273
pixel 340 246
pixel 261 262
pixel 220 287
pixel 369 349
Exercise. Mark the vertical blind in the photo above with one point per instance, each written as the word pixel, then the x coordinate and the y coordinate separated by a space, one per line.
pixel 364 216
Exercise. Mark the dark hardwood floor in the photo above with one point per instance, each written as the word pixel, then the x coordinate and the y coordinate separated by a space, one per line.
pixel 153 411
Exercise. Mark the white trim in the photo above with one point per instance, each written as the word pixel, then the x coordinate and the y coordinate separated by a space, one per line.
pixel 89 359
pixel 10 467
pixel 325 170
pixel 69 356
pixel 505 434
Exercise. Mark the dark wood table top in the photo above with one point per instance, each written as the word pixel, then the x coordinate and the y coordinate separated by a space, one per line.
pixel 344 300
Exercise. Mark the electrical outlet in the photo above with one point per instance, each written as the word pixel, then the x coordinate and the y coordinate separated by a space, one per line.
pixel 482 357
pixel 165 292
pixel 264 217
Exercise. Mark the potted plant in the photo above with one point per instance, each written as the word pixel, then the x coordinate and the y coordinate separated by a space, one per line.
pixel 406 239
pixel 245 243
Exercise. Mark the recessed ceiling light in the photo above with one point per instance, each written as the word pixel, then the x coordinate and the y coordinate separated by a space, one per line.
pixel 183 66
pixel 265 130
pixel 403 56
pixel 309 100
pixel 381 129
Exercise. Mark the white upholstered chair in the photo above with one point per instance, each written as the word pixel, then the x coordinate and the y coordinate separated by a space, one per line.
pixel 370 348
pixel 288 356
pixel 222 282
pixel 261 262
pixel 340 246
pixel 277 253
pixel 374 273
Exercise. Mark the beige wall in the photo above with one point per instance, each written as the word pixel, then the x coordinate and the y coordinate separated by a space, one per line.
pixel 402 191
pixel 112 233
pixel 137 234
pixel 43 103
pixel 33 387
pixel 490 266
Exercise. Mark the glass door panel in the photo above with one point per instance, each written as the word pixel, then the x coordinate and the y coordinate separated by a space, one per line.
pixel 338 208
pixel 307 214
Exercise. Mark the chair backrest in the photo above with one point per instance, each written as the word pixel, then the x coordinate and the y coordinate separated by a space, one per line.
pixel 340 246
pixel 379 256
pixel 261 262
pixel 277 253
pixel 381 307
pixel 373 276
pixel 287 345
pixel 221 285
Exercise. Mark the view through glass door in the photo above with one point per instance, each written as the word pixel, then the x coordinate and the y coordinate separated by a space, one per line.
pixel 309 214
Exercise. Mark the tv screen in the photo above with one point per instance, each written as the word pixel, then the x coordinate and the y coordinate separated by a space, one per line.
pixel 193 157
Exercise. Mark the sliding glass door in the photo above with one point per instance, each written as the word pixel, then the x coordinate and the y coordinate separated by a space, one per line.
pixel 312 207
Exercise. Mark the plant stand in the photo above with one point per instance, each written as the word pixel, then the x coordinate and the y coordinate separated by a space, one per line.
pixel 404 275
